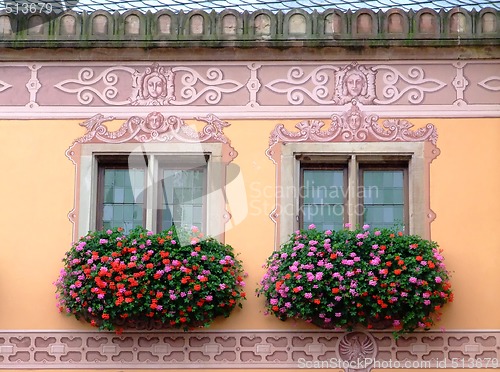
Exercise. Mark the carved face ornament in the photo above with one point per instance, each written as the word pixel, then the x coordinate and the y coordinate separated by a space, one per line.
pixel 154 86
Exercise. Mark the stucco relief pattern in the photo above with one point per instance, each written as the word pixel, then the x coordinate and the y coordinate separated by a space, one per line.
pixel 155 86
pixel 244 349
pixel 4 86
pixel 354 125
pixel 256 86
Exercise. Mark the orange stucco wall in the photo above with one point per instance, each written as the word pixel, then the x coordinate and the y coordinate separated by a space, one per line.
pixel 37 192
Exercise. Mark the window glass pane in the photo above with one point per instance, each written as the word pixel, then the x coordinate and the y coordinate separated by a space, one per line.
pixel 182 197
pixel 122 198
pixel 383 195
pixel 322 202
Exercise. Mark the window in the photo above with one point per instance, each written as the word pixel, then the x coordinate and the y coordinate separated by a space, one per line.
pixel 330 184
pixel 380 191
pixel 151 187
pixel 323 195
pixel 122 191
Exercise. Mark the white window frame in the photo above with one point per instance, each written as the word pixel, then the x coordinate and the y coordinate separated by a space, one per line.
pixel 290 178
pixel 89 165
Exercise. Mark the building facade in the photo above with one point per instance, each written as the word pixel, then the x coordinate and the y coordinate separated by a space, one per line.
pixel 246 106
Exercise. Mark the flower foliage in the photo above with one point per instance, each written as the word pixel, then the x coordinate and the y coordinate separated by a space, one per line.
pixel 339 279
pixel 111 279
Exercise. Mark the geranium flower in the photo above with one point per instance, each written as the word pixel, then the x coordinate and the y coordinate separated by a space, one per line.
pixel 373 280
pixel 108 277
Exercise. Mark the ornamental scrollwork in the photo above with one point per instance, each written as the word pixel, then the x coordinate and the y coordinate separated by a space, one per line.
pixel 211 87
pixel 353 126
pixel 87 86
pixel 4 86
pixel 155 127
pixel 415 85
pixel 491 83
pixel 297 85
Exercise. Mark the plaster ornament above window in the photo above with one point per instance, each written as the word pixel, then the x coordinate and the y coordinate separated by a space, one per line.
pixel 354 126
pixel 153 128
pixel 355 82
pixel 154 87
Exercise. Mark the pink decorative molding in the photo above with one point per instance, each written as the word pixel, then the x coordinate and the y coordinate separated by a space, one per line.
pixel 441 88
pixel 353 351
pixel 155 127
pixel 353 126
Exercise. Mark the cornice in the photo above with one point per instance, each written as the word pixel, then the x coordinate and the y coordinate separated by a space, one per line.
pixel 231 29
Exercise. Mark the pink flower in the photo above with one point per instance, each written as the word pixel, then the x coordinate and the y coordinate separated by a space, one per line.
pixel 413 280
pixel 438 279
pixel 366 227
pixel 377 233
pixel 308 295
pixel 312 226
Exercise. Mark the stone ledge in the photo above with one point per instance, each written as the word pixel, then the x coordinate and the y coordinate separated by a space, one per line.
pixel 332 27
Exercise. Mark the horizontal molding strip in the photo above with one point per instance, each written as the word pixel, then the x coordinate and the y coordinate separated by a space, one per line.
pixel 267 112
pixel 235 349
pixel 250 89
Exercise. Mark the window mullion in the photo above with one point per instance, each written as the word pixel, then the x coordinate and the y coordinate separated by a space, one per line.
pixel 152 180
pixel 353 199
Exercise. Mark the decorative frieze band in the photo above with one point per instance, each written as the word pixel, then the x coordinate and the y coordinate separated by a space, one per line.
pixel 353 351
pixel 445 88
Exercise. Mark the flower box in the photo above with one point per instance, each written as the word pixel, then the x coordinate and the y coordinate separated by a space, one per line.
pixel 144 280
pixel 348 278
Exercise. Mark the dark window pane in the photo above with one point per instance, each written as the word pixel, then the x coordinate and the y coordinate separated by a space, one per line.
pixel 122 198
pixel 383 197
pixel 322 198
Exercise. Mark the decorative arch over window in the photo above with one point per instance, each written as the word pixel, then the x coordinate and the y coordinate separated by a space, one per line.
pixel 152 171
pixel 354 154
